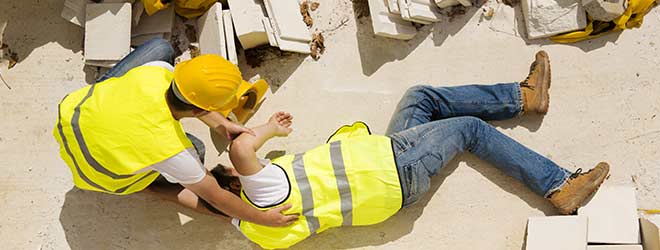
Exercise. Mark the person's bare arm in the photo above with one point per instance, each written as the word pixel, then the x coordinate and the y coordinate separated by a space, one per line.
pixel 209 190
pixel 223 126
pixel 242 151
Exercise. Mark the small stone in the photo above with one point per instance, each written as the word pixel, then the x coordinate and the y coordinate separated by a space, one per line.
pixel 605 10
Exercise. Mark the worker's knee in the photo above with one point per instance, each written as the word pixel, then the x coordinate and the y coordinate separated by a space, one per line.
pixel 160 49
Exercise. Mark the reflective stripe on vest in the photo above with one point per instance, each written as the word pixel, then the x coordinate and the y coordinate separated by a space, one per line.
pixel 75 134
pixel 352 181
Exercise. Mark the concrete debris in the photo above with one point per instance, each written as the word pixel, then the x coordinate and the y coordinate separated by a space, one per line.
pixel 107 33
pixel 247 17
pixel 157 25
pixel 504 20
pixel 11 56
pixel 290 32
pixel 545 18
pixel 393 7
pixel 615 247
pixel 269 30
pixel 317 45
pixel 232 55
pixel 419 11
pixel 487 12
pixel 138 9
pixel 304 11
pixel 389 25
pixel 650 234
pixel 211 32
pixel 605 10
pixel 314 6
pixel 612 214
pixel 74 11
pixel 285 17
pixel 450 3
pixel 556 232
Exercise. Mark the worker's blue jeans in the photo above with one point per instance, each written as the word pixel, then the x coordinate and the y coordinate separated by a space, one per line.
pixel 156 49
pixel 431 125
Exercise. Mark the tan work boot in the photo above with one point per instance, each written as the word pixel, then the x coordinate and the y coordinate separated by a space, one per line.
pixel 578 188
pixel 535 86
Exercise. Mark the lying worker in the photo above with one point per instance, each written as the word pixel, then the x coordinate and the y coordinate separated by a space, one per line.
pixel 362 179
pixel 120 134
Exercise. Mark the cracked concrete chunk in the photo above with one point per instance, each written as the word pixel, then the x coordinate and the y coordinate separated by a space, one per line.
pixel 287 21
pixel 605 10
pixel 545 18
pixel 612 214
pixel 269 30
pixel 387 24
pixel 74 11
pixel 419 11
pixel 232 56
pixel 157 25
pixel 107 31
pixel 211 32
pixel 393 6
pixel 557 232
pixel 246 16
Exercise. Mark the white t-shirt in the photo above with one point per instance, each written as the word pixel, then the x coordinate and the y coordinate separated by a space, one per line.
pixel 184 167
pixel 268 187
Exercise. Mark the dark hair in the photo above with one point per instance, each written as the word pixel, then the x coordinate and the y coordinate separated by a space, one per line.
pixel 224 179
pixel 177 104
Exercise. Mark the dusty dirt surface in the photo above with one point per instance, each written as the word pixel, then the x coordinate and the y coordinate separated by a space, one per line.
pixel 604 107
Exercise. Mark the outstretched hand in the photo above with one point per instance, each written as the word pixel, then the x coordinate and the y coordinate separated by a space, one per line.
pixel 281 121
pixel 275 217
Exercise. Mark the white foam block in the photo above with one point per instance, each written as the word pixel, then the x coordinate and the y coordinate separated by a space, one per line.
pixel 232 56
pixel 612 214
pixel 422 10
pixel 545 18
pixel 557 232
pixel 107 31
pixel 287 20
pixel 211 32
pixel 247 16
pixel 387 24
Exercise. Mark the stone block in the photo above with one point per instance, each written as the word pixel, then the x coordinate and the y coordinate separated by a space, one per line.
pixel 615 247
pixel 387 24
pixel 287 21
pixel 557 232
pixel 247 18
pixel 269 30
pixel 393 6
pixel 605 10
pixel 107 31
pixel 211 32
pixel 74 11
pixel 446 3
pixel 419 11
pixel 612 214
pixel 545 18
pixel 232 56
pixel 159 23
pixel 650 234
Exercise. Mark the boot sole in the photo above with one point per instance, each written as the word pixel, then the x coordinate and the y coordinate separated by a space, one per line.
pixel 546 77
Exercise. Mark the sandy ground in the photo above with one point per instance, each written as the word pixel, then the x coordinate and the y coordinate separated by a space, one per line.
pixel 604 102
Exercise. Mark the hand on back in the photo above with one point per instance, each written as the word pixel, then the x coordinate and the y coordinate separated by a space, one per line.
pixel 281 121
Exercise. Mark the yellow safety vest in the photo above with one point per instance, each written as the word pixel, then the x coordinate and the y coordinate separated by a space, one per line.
pixel 351 180
pixel 110 130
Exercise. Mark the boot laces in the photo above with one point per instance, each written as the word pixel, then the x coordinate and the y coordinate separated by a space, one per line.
pixel 525 83
pixel 577 173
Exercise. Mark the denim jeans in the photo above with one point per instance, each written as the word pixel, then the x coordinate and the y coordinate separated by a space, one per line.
pixel 431 125
pixel 156 49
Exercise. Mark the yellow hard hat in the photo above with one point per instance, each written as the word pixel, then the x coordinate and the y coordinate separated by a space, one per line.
pixel 208 81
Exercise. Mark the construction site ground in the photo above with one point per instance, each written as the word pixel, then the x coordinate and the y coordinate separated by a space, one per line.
pixel 604 107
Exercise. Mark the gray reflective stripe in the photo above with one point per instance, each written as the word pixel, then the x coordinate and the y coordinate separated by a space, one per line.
pixel 121 190
pixel 68 151
pixel 83 146
pixel 306 193
pixel 343 186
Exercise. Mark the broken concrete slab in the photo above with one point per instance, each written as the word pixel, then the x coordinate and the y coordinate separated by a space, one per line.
pixel 557 232
pixel 286 20
pixel 615 247
pixel 246 16
pixel 650 234
pixel 74 11
pixel 232 56
pixel 211 32
pixel 545 18
pixel 419 11
pixel 612 214
pixel 159 23
pixel 605 10
pixel 269 30
pixel 107 31
pixel 138 9
pixel 387 24
pixel 393 7
pixel 446 3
